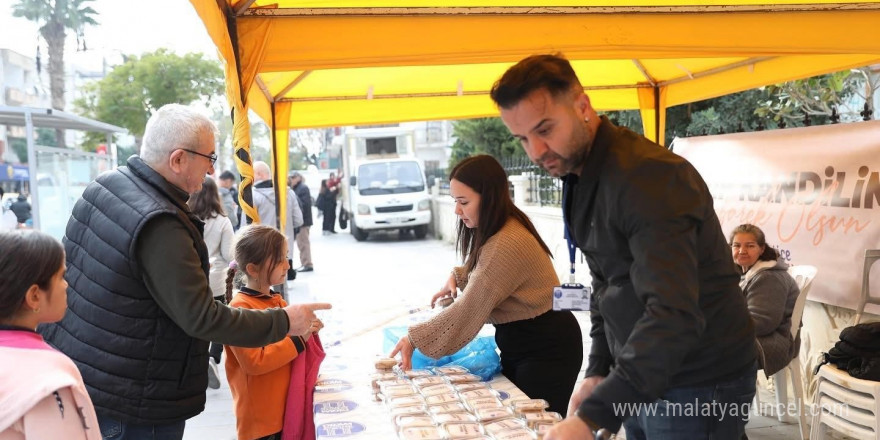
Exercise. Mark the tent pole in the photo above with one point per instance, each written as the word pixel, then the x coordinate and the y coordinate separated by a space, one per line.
pixel 32 169
pixel 280 187
pixel 276 182
pixel 657 133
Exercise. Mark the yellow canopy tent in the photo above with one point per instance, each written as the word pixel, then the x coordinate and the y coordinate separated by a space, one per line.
pixel 318 63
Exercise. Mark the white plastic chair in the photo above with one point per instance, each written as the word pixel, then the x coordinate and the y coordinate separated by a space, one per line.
pixel 842 402
pixel 803 276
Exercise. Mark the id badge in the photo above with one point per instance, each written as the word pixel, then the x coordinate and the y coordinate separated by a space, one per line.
pixel 571 296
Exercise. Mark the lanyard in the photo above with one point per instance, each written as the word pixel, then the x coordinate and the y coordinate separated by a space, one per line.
pixel 572 246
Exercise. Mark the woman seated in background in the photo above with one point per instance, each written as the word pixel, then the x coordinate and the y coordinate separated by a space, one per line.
pixel 770 293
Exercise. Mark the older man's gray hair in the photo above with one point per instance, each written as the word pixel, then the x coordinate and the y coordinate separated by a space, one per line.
pixel 173 126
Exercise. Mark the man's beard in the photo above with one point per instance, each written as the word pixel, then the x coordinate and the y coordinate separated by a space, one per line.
pixel 567 165
pixel 563 165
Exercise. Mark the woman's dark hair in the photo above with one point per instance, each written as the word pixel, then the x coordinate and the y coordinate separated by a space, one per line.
pixel 769 253
pixel 260 245
pixel 27 257
pixel 486 177
pixel 205 203
pixel 324 187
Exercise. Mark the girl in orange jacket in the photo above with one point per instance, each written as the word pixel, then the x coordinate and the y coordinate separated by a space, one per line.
pixel 259 377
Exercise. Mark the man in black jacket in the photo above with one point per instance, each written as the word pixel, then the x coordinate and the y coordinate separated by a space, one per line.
pixel 139 306
pixel 672 353
pixel 304 196
pixel 21 208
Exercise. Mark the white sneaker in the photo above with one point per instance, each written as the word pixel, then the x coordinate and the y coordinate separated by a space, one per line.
pixel 213 375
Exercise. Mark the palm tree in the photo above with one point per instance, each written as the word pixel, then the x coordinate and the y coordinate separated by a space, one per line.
pixel 55 17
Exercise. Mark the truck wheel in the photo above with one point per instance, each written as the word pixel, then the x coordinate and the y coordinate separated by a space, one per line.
pixel 421 231
pixel 358 233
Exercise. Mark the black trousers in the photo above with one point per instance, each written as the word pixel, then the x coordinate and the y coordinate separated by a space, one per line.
pixel 542 356
pixel 330 219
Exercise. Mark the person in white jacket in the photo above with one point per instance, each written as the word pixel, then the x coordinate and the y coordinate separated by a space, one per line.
pixel 42 395
pixel 218 235
pixel 264 201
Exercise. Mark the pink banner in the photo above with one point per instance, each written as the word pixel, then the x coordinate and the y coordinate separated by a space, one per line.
pixel 814 191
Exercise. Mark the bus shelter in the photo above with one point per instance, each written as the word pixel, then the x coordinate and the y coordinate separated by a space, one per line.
pixel 57 177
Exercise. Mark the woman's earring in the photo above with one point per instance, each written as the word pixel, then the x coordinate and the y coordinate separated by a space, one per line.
pixel 36 310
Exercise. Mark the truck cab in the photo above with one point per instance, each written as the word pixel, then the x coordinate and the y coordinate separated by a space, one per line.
pixel 386 187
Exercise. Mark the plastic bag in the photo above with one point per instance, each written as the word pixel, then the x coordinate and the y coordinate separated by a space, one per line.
pixel 480 356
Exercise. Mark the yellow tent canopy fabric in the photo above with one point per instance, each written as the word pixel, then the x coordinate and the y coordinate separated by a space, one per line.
pixel 359 62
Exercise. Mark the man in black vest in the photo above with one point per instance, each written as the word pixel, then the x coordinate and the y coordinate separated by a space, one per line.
pixel 672 353
pixel 139 307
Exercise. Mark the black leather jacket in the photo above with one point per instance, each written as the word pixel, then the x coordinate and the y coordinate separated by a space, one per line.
pixel 666 309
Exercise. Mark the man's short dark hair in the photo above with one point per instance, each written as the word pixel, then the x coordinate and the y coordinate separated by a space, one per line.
pixel 551 72
pixel 227 175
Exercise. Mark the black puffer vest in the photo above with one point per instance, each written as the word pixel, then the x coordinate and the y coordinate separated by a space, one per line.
pixel 137 364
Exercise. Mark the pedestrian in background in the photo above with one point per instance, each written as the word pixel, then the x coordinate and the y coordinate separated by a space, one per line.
pixel 218 234
pixel 8 220
pixel 229 197
pixel 304 196
pixel 42 390
pixel 22 209
pixel 327 204
pixel 264 202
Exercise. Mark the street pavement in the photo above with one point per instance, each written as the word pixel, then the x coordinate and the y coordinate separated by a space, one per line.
pixel 371 285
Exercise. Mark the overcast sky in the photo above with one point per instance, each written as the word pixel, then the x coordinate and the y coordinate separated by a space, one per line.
pixel 124 26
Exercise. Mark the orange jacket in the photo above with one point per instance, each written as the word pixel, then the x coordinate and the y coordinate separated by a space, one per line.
pixel 259 377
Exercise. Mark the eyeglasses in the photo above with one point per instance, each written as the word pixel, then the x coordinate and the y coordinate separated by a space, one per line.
pixel 748 246
pixel 212 157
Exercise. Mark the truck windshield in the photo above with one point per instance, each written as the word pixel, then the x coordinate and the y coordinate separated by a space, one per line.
pixel 390 178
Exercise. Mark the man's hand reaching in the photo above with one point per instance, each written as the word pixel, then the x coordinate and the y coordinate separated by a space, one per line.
pixel 302 316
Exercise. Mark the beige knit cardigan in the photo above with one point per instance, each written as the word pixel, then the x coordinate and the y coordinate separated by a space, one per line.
pixel 513 280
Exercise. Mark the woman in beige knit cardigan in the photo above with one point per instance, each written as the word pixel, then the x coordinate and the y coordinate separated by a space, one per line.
pixel 507 280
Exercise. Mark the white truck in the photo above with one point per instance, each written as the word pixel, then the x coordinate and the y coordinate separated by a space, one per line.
pixel 385 184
